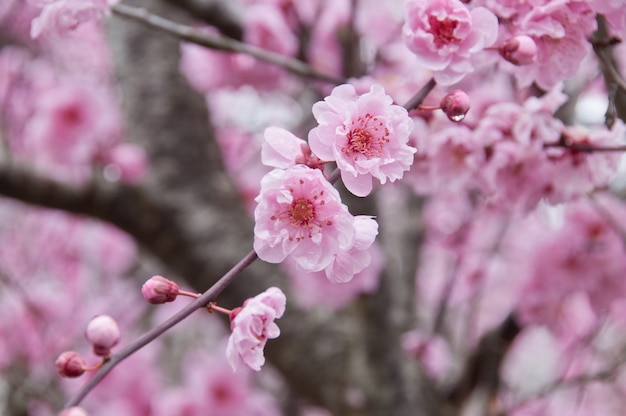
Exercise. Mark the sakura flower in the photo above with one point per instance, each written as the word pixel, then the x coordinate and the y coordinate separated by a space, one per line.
pixel 445 36
pixel 300 215
pixel 281 149
pixel 350 262
pixel 252 325
pixel 366 135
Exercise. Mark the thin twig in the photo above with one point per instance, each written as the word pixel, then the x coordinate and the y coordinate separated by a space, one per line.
pixel 221 43
pixel 158 330
pixel 586 148
pixel 421 95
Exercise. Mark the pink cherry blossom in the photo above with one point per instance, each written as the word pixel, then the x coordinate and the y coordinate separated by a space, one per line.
pixel 366 135
pixel 252 326
pixel 445 35
pixel 300 215
pixel 350 262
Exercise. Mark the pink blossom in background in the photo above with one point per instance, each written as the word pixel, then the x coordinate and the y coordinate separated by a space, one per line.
pixel 314 289
pixel 61 16
pixel 445 35
pixel 431 350
pixel 366 135
pixel 252 326
pixel 126 162
pixel 300 215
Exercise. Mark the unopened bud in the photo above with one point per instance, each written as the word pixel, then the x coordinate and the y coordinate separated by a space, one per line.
pixel 74 411
pixel 519 50
pixel 103 333
pixel 70 364
pixel 456 105
pixel 159 290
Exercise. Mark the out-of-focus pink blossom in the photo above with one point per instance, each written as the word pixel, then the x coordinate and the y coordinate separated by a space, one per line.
pixel 61 16
pixel 300 215
pixel 432 351
pixel 519 50
pixel 128 161
pixel 281 149
pixel 445 35
pixel 252 326
pixel 313 289
pixel 74 411
pixel 367 135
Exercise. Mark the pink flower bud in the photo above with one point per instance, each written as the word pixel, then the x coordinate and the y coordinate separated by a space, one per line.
pixel 159 290
pixel 103 333
pixel 456 105
pixel 519 50
pixel 74 411
pixel 70 364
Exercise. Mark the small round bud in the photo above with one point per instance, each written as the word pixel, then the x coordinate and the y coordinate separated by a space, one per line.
pixel 70 364
pixel 519 50
pixel 74 411
pixel 456 105
pixel 103 333
pixel 159 290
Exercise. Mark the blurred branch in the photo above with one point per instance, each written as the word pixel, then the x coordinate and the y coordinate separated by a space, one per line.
pixel 215 13
pixel 220 43
pixel 602 44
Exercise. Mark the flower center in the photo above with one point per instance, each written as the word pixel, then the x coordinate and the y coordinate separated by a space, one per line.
pixel 301 212
pixel 367 137
pixel 302 215
pixel 442 31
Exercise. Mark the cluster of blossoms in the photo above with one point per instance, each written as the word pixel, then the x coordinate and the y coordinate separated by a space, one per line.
pixel 251 324
pixel 299 214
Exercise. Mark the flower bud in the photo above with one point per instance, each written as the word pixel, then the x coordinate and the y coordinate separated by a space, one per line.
pixel 519 50
pixel 456 105
pixel 103 333
pixel 70 364
pixel 74 411
pixel 159 290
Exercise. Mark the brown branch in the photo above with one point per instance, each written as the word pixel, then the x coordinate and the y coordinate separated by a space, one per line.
pixel 220 43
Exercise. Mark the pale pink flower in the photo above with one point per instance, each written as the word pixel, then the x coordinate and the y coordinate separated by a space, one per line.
pixel 300 215
pixel 282 149
pixel 431 350
pixel 252 326
pixel 350 262
pixel 445 36
pixel 366 135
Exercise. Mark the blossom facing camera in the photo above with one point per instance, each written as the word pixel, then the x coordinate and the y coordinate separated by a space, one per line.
pixel 300 215
pixel 366 135
pixel 70 364
pixel 159 290
pixel 103 334
pixel 445 35
pixel 456 105
pixel 519 50
pixel 252 325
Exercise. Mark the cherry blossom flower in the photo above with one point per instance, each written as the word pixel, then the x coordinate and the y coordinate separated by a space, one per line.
pixel 446 36
pixel 300 215
pixel 252 325
pixel 366 135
